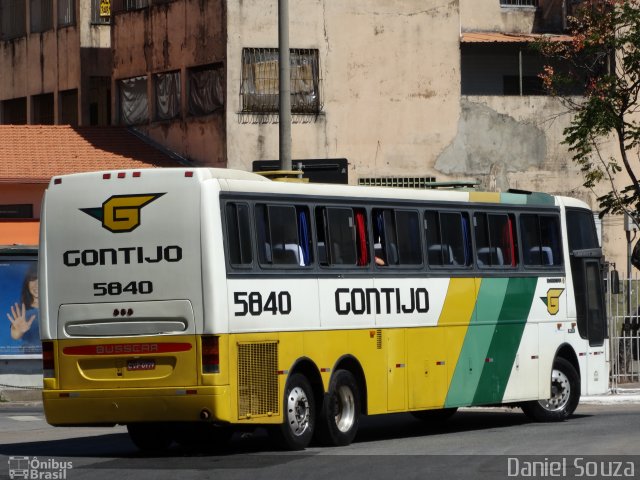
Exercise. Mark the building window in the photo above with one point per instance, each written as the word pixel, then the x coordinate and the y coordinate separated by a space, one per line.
pixel 41 15
pixel 101 11
pixel 66 13
pixel 42 106
pixel 133 104
pixel 205 89
pixel 167 90
pixel 68 107
pixel 12 19
pixel 519 3
pixel 14 112
pixel 499 69
pixel 259 90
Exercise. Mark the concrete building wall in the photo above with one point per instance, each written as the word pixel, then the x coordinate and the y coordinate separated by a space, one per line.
pixel 390 82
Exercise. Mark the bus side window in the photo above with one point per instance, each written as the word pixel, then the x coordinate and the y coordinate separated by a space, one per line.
pixel 396 237
pixel 448 239
pixel 541 240
pixel 277 229
pixel 342 238
pixel 495 240
pixel 454 230
pixel 238 234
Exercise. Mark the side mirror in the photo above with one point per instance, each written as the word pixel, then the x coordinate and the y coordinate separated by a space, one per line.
pixel 614 283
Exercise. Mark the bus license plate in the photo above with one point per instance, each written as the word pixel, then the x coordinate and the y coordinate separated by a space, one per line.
pixel 140 364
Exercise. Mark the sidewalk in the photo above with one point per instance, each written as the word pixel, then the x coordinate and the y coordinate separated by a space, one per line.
pixel 624 393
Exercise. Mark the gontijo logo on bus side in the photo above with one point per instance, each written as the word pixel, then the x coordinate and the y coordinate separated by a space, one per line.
pixel 552 300
pixel 121 213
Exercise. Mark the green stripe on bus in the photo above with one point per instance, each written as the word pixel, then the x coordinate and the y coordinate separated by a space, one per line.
pixel 538 198
pixel 506 340
pixel 477 342
pixel 513 198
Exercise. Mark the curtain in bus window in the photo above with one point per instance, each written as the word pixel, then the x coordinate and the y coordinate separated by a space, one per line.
pixel 303 234
pixel 363 257
pixel 510 249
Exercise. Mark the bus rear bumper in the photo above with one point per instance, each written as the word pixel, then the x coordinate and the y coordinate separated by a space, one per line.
pixel 122 406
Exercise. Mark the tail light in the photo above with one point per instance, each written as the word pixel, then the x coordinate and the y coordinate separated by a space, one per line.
pixel 48 361
pixel 210 355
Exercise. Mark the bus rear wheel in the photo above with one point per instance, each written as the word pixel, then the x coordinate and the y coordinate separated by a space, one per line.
pixel 339 418
pixel 150 437
pixel 565 395
pixel 298 425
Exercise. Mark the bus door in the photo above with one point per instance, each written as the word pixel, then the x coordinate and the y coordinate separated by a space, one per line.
pixel 588 287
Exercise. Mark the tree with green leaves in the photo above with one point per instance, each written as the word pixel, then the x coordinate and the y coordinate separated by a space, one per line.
pixel 603 62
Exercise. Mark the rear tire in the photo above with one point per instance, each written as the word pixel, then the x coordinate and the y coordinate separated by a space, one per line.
pixel 565 395
pixel 299 414
pixel 339 418
pixel 150 437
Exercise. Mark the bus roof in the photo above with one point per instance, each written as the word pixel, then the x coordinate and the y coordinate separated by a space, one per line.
pixel 231 180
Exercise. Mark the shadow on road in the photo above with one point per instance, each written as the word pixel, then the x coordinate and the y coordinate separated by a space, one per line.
pixel 372 429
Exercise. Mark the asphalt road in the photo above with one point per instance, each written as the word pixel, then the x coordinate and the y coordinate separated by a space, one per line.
pixel 598 442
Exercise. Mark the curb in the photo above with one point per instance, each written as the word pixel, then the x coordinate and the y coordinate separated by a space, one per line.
pixel 26 395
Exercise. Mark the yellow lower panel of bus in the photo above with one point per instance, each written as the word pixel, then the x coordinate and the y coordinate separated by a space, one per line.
pixel 152 362
pixel 121 406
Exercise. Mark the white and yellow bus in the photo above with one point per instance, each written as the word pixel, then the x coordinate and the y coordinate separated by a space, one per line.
pixel 177 301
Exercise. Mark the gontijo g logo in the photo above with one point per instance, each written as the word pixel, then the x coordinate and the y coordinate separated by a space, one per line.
pixel 121 213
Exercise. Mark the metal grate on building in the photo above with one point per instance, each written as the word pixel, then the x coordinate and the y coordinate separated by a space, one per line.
pixel 257 379
pixel 402 182
pixel 519 3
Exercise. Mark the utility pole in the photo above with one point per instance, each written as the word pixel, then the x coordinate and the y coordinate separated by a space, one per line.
pixel 284 122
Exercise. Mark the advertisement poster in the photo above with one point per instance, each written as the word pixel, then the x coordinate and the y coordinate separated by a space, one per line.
pixel 20 327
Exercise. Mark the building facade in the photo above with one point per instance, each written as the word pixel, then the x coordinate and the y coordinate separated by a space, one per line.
pixel 55 62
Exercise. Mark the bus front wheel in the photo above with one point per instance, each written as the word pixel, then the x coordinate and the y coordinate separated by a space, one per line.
pixel 298 425
pixel 340 414
pixel 565 395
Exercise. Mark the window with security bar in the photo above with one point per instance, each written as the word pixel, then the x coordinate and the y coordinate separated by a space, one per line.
pixel 519 3
pixel 259 90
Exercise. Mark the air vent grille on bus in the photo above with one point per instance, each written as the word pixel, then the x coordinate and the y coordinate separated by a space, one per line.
pixel 379 339
pixel 257 379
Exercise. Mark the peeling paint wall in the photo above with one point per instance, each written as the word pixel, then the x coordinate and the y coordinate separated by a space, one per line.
pixel 174 37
